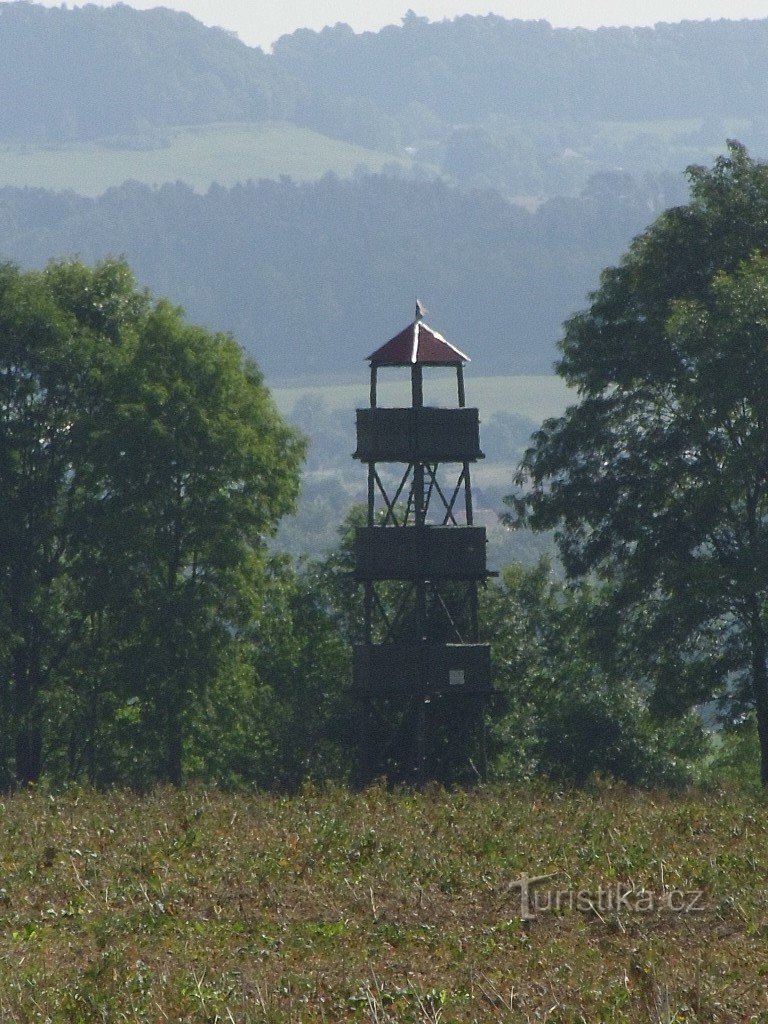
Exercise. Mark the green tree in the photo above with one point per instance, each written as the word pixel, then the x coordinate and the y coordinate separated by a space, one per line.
pixel 195 469
pixel 142 466
pixel 300 652
pixel 50 372
pixel 656 480
pixel 568 709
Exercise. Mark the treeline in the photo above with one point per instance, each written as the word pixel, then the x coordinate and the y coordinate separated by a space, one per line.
pixel 148 635
pixel 107 71
pixel 311 277
pixel 142 466
pixel 486 102
pixel 529 109
pixel 121 72
pixel 471 68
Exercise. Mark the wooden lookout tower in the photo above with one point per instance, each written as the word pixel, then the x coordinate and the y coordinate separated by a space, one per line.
pixel 420 671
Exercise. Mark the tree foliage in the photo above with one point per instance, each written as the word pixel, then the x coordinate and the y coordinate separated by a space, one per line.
pixel 569 711
pixel 142 466
pixel 126 74
pixel 157 69
pixel 656 480
pixel 505 104
pixel 467 68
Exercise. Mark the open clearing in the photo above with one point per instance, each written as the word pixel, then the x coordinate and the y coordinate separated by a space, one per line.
pixel 233 152
pixel 198 906
pixel 223 153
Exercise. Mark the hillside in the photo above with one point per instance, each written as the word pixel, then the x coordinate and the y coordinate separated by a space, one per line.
pixel 530 109
pixel 383 907
pixel 488 103
pixel 93 72
pixel 311 278
pixel 471 68
pixel 310 275
pixel 225 153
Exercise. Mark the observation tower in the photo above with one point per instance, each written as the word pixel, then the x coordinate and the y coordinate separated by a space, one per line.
pixel 421 672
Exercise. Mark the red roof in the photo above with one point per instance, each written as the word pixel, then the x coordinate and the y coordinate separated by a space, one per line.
pixel 418 343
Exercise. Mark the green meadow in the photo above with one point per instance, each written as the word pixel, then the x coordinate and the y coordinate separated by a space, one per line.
pixel 233 152
pixel 223 153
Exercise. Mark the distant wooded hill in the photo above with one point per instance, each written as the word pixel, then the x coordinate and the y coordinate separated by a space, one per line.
pixel 473 68
pixel 91 72
pixel 591 129
pixel 312 277
pixel 513 105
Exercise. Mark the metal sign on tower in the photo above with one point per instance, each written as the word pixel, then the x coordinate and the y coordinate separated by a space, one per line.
pixel 421 672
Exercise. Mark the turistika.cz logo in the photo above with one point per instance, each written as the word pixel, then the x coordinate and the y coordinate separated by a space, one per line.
pixel 613 898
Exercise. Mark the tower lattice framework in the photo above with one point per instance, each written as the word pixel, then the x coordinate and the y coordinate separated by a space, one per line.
pixel 421 671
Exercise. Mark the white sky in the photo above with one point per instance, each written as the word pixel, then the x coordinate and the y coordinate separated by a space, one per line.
pixel 260 22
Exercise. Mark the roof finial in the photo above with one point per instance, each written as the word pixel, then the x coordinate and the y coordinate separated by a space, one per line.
pixel 420 311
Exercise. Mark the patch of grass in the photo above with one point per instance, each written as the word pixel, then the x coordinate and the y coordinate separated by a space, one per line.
pixel 381 906
pixel 223 153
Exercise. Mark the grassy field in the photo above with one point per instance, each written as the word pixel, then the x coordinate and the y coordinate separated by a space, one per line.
pixel 196 906
pixel 226 153
pixel 534 397
pixel 237 151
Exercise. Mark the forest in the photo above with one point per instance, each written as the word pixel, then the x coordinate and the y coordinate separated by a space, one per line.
pixel 508 90
pixel 310 278
pixel 150 632
pixel 161 616
pixel 488 163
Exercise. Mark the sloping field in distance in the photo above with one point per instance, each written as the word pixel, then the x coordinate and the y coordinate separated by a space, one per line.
pixel 224 153
pixel 534 397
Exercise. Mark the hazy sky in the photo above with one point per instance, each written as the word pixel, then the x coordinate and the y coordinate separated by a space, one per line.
pixel 260 22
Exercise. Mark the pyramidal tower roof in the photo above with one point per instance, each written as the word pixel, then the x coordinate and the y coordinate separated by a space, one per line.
pixel 417 343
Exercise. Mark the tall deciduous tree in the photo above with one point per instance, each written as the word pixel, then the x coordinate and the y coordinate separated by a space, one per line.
pixel 48 369
pixel 142 466
pixel 196 470
pixel 657 478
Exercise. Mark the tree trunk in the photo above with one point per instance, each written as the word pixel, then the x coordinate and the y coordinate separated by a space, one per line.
pixel 760 687
pixel 29 738
pixel 29 755
pixel 174 746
